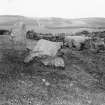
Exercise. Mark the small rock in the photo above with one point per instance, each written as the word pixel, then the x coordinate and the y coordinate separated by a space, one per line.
pixel 47 83
pixel 43 80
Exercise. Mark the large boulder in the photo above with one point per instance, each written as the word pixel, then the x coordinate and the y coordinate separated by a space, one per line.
pixel 19 32
pixel 75 40
pixel 99 44
pixel 30 44
pixel 53 61
pixel 18 36
pixel 44 48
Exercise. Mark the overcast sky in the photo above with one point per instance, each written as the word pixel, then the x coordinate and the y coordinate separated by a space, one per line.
pixel 53 8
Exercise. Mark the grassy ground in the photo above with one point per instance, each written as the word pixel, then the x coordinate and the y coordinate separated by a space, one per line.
pixel 82 82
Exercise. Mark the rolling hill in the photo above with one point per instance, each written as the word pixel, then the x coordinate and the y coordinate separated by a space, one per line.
pixel 53 24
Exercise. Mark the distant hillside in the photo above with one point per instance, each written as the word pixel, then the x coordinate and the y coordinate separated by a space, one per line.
pixel 85 22
pixel 53 24
pixel 12 19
